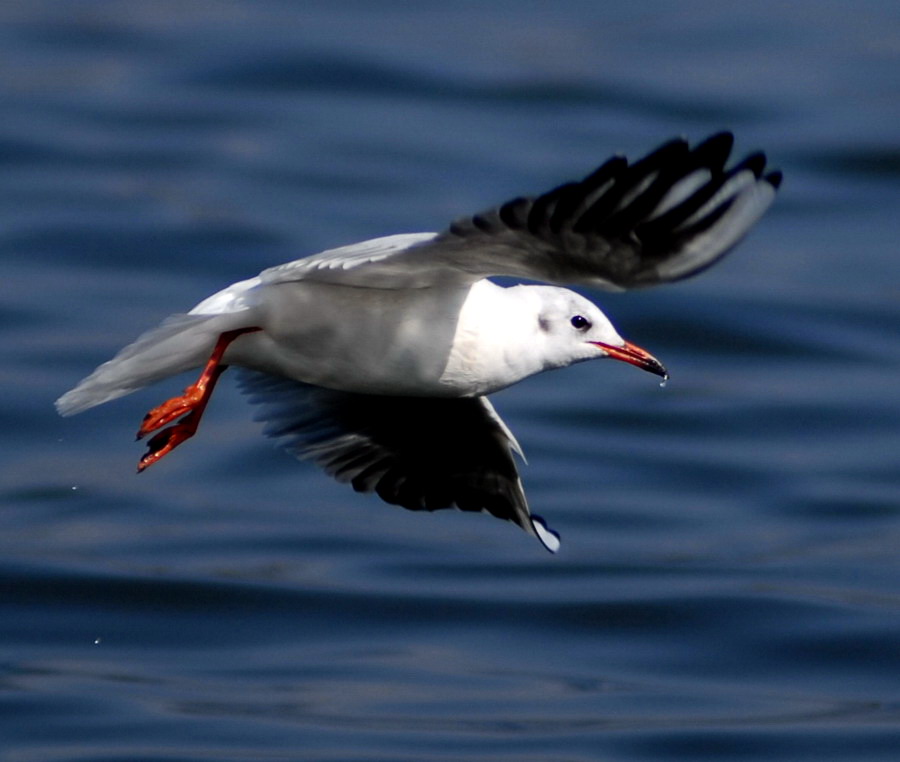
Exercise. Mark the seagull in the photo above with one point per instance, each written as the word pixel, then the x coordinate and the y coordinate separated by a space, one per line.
pixel 374 360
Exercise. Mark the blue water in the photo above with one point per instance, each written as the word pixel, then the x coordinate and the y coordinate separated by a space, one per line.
pixel 729 584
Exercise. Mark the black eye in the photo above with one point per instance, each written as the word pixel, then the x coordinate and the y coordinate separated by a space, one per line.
pixel 580 322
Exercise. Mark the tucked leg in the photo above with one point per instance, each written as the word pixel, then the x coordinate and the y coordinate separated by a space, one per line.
pixel 191 405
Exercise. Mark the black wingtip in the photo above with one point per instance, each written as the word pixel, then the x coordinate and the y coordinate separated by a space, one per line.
pixel 667 153
pixel 715 150
pixel 774 178
pixel 755 162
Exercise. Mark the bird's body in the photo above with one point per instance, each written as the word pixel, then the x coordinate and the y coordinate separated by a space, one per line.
pixel 374 359
pixel 444 342
pixel 306 321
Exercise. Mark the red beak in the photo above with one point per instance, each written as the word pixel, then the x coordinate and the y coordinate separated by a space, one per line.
pixel 634 355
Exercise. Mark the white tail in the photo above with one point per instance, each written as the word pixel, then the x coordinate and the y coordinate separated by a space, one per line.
pixel 182 342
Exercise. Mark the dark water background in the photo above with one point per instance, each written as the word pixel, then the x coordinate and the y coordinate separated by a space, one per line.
pixel 729 585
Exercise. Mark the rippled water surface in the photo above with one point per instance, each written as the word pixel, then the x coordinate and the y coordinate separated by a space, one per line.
pixel 729 585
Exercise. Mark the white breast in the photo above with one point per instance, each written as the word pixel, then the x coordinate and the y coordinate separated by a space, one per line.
pixel 495 341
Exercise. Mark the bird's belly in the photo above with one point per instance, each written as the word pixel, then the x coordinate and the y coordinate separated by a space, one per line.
pixel 372 341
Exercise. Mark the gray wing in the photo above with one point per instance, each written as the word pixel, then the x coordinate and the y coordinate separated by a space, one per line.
pixel 626 225
pixel 423 454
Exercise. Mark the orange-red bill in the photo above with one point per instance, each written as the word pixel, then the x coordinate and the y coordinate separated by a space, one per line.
pixel 634 355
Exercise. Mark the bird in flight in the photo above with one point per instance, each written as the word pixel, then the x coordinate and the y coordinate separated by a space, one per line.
pixel 374 360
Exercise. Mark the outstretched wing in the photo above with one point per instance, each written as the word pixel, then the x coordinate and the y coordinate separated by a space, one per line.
pixel 665 217
pixel 423 454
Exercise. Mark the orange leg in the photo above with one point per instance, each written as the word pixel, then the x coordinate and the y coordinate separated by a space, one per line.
pixel 191 405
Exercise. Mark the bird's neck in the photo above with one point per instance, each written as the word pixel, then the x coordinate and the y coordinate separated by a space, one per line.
pixel 493 345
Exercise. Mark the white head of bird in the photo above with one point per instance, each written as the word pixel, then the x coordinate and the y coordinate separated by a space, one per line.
pixel 507 334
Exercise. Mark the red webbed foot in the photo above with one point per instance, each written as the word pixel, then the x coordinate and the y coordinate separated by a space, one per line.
pixel 191 405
